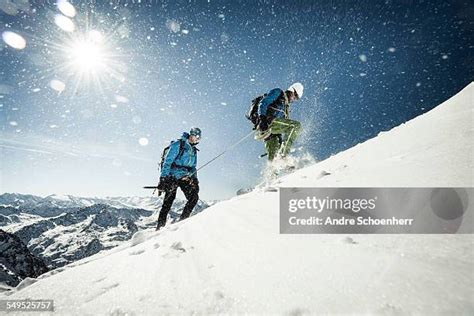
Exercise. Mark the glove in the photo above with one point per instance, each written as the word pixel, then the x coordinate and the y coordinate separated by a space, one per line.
pixel 263 123
pixel 165 183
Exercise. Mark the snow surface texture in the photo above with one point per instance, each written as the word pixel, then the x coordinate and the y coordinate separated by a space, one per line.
pixel 232 259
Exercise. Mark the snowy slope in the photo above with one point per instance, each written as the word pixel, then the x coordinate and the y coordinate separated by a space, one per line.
pixel 232 259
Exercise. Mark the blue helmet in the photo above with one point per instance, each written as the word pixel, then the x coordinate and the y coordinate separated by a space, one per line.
pixel 195 131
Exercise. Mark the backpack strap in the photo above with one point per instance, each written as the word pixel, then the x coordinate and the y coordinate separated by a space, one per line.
pixel 285 111
pixel 181 148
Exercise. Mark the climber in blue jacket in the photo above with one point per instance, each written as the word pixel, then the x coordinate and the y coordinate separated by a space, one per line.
pixel 178 169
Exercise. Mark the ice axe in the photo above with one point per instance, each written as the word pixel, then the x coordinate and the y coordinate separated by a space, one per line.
pixel 155 188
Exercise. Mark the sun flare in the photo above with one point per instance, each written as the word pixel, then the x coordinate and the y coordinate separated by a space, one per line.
pixel 87 56
pixel 92 58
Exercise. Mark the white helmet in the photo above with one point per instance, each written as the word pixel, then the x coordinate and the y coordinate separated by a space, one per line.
pixel 297 88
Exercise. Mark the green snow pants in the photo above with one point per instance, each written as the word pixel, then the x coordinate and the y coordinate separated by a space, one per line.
pixel 289 131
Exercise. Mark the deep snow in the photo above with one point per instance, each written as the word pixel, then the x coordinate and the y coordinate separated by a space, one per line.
pixel 232 259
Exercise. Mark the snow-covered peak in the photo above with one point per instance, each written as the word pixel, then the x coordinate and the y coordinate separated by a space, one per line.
pixel 59 197
pixel 52 205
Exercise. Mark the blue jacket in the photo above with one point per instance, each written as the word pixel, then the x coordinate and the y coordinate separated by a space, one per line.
pixel 273 105
pixel 184 165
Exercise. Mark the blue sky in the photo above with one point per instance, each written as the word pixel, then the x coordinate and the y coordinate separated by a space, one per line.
pixel 172 65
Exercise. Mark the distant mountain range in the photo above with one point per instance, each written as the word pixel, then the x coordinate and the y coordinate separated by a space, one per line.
pixel 47 233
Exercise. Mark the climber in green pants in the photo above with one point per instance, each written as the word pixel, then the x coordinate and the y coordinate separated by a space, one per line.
pixel 274 125
pixel 282 135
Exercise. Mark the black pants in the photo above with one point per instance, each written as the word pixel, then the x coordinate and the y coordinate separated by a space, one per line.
pixel 190 188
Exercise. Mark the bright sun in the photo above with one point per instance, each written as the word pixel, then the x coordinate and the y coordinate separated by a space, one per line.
pixel 88 54
pixel 92 59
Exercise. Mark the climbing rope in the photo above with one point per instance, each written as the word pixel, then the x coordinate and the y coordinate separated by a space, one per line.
pixel 226 150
